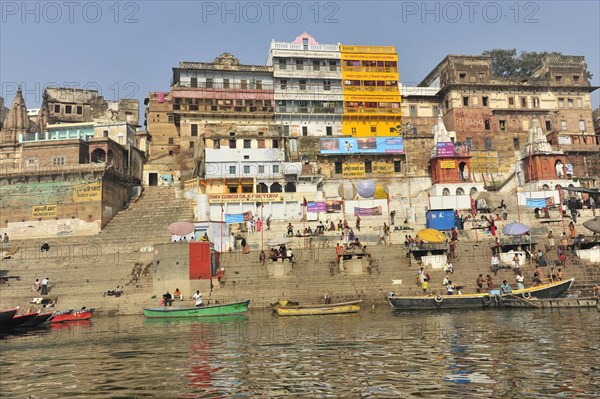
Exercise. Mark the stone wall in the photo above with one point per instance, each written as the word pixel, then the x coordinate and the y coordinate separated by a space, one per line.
pixel 172 270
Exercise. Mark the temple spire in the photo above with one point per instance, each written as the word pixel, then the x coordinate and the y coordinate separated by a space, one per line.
pixel 17 120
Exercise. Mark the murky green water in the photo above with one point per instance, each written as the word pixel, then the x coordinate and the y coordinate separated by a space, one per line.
pixel 375 354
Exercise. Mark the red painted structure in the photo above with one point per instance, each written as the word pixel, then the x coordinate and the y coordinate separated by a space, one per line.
pixel 442 173
pixel 543 167
pixel 203 260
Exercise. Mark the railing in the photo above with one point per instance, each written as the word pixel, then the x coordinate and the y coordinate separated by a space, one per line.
pixel 368 69
pixel 373 110
pixel 368 49
pixel 306 68
pixel 227 86
pixel 388 89
pixel 300 46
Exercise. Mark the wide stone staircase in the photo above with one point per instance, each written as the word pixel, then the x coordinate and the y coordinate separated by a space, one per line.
pixel 82 269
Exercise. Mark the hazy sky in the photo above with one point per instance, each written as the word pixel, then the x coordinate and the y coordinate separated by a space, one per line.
pixel 127 48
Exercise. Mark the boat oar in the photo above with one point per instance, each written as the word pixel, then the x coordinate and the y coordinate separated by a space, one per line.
pixel 524 300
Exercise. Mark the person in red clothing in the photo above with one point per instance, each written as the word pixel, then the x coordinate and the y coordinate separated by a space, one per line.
pixel 490 282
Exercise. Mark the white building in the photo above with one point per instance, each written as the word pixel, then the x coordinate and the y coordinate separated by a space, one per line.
pixel 308 87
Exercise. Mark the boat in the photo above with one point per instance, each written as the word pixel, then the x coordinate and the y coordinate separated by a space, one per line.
pixel 474 301
pixel 317 310
pixel 6 315
pixel 200 311
pixel 38 319
pixel 17 320
pixel 71 315
pixel 550 303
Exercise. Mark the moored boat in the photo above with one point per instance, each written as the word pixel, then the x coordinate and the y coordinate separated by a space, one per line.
pixel 201 311
pixel 17 320
pixel 322 309
pixel 6 315
pixel 474 301
pixel 37 320
pixel 72 315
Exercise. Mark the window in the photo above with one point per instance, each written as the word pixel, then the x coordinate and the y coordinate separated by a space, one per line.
pixel 171 140
pixel 353 130
pixel 462 76
pixel 561 102
pixel 328 131
pixel 548 126
pixel 246 169
pixel 275 143
pixel 511 101
pixel 105 134
pixel 570 102
pixel 247 143
pixel 332 66
pixel 436 111
pixel 338 167
pixel 305 131
pixel 232 189
pixel 261 143
pixel 232 144
pixel 316 65
pixel 489 144
pixel 581 125
pixel 516 144
pixel 524 102
pixel 57 108
pixel 191 144
pixel 261 168
pixel 576 78
pixel 413 110
pixel 209 83
pixel 231 134
pixel 446 192
pixel 536 102
pixel 259 85
pixel 484 101
pixel 247 157
pixel 466 101
pixel 68 109
pixel 299 64
pixel 286 130
pixel 226 83
pixel 368 167
pixel 502 124
pixel 217 144
pixel 232 169
pixel 481 76
pixel 397 167
pixel 57 161
pixel 275 169
pixel 486 124
pixel 305 44
pixel 558 78
pixel 563 125
pixel 283 84
pixel 194 82
pixel 170 152
pixel 282 64
pixel 194 130
pixel 579 103
pixel 80 110
pixel 244 84
pixel 327 85
pixel 302 84
pixel 373 129
pixel 469 142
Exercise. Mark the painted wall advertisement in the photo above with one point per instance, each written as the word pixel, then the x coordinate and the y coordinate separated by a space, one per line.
pixel 244 197
pixel 87 192
pixel 445 149
pixel 353 169
pixel 362 145
pixel 314 207
pixel 40 211
pixel 383 168
pixel 484 161
pixel 375 211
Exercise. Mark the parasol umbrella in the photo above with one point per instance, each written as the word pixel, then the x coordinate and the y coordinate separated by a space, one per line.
pixel 515 229
pixel 431 235
pixel 593 224
pixel 181 228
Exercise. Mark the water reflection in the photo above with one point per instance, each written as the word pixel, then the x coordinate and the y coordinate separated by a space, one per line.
pixel 374 354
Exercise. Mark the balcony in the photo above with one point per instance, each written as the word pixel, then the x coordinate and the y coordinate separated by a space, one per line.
pixel 219 86
pixel 369 69
pixel 373 89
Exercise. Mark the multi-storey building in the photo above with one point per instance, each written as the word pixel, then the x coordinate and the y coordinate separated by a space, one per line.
pixel 210 104
pixel 308 92
pixel 371 90
pixel 491 115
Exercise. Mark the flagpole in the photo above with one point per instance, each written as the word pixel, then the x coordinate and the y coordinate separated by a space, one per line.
pixel 560 207
pixel 262 230
pixel 474 212
pixel 344 226
pixel 304 221
pixel 389 218
pixel 221 246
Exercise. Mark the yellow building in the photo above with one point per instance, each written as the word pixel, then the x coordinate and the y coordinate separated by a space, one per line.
pixel 371 92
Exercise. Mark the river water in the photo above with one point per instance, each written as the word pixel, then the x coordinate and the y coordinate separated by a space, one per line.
pixel 374 354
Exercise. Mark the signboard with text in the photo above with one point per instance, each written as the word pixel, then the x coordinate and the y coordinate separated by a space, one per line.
pixel 87 192
pixel 244 197
pixel 362 145
pixel 40 211
pixel 445 149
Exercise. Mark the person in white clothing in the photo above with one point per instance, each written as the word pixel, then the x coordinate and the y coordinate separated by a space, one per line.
pixel 198 298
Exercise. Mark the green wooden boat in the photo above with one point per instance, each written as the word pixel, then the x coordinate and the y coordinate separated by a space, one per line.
pixel 202 311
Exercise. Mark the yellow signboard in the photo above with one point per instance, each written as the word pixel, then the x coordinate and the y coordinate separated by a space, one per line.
pixel 244 197
pixel 40 211
pixel 484 161
pixel 190 183
pixel 448 164
pixel 87 192
pixel 353 169
pixel 383 168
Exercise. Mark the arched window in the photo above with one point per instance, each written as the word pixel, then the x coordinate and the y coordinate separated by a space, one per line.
pixel 446 192
pixel 276 188
pixel 473 190
pixel 290 187
pixel 98 155
pixel 460 191
pixel 262 188
pixel 109 158
pixel 545 187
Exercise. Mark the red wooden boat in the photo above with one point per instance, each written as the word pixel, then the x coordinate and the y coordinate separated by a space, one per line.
pixel 17 320
pixel 39 318
pixel 6 315
pixel 72 315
